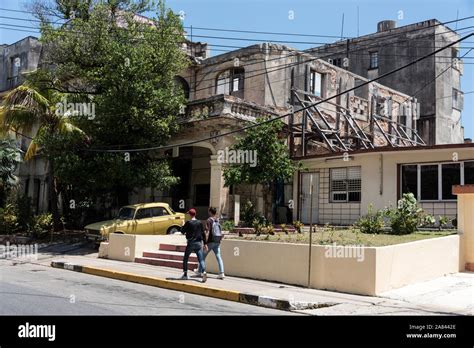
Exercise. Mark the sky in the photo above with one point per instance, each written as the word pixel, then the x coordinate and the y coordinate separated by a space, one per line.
pixel 314 17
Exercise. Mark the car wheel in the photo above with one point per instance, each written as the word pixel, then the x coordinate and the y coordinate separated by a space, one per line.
pixel 172 230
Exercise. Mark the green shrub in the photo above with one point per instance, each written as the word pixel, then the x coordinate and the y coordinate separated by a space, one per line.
pixel 43 225
pixel 443 221
pixel 407 216
pixel 228 225
pixel 298 226
pixel 8 220
pixel 248 213
pixel 371 223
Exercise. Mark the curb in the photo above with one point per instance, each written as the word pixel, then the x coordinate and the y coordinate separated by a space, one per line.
pixel 229 295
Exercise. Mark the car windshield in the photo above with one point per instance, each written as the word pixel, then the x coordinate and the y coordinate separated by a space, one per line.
pixel 126 213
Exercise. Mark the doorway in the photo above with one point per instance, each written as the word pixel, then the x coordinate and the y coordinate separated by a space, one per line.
pixel 305 202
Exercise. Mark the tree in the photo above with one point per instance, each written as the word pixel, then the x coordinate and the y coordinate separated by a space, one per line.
pixel 273 162
pixel 10 157
pixel 126 66
pixel 32 110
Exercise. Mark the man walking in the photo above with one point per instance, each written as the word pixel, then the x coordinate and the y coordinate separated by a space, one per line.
pixel 195 236
pixel 213 241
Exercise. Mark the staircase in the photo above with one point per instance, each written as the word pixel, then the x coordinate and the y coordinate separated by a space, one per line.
pixel 168 255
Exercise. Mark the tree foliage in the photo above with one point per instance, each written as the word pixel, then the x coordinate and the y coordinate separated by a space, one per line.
pixel 109 55
pixel 273 159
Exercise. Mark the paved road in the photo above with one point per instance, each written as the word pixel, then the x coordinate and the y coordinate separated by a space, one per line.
pixel 33 289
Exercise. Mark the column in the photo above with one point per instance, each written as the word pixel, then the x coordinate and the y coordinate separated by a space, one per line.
pixel 465 195
pixel 219 193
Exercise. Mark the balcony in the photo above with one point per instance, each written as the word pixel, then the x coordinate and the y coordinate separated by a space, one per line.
pixel 226 106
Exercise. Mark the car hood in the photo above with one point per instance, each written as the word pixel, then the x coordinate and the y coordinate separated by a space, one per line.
pixel 102 224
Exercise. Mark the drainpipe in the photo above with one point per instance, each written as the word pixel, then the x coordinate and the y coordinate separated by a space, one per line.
pixel 381 173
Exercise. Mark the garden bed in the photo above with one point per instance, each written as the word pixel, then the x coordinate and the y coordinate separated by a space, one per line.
pixel 324 236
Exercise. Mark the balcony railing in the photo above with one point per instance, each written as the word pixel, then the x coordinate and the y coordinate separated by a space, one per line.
pixel 224 106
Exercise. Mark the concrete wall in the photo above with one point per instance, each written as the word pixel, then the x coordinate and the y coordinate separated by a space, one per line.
pixel 380 180
pixel 381 269
pixel 408 263
pixel 466 226
pixel 398 47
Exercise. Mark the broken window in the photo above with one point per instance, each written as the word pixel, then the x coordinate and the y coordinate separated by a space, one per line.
pixel 346 184
pixel 231 82
pixel 374 60
pixel 315 83
pixel 458 99
pixel 15 66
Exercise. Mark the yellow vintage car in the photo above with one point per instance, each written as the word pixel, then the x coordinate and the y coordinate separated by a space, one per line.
pixel 146 218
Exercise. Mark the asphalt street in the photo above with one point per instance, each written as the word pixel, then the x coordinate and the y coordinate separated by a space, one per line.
pixel 36 289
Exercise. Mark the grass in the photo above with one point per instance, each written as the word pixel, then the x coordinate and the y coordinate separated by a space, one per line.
pixel 325 236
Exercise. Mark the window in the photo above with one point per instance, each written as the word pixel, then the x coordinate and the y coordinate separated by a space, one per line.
pixel 469 173
pixel 337 62
pixel 429 182
pixel 454 52
pixel 15 66
pixel 231 82
pixel 182 84
pixel 451 175
pixel 315 83
pixel 374 60
pixel 159 211
pixel 434 182
pixel 410 179
pixel 144 213
pixel 126 213
pixel 346 184
pixel 458 99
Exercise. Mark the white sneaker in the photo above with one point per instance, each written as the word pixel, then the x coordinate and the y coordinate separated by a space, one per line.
pixel 204 277
pixel 221 276
pixel 184 277
pixel 196 272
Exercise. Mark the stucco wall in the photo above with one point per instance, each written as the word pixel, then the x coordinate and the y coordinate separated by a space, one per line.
pixel 380 179
pixel 380 269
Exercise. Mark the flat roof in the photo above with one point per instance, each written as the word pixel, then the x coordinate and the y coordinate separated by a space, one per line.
pixel 392 149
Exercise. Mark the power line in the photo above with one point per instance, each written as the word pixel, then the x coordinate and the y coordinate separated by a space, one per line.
pixel 331 54
pixel 287 114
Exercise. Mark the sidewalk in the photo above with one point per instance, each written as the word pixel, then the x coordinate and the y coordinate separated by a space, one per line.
pixel 261 293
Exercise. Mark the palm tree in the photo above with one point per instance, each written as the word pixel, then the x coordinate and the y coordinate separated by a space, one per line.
pixel 31 110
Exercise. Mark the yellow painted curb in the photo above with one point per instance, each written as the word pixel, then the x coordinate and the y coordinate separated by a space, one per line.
pixel 164 283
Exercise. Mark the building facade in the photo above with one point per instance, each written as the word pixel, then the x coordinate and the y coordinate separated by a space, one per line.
pixel 354 143
pixel 435 82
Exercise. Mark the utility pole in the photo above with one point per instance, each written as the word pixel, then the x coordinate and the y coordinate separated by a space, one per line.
pixel 310 227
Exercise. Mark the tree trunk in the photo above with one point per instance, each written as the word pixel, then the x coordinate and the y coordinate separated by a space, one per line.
pixel 53 194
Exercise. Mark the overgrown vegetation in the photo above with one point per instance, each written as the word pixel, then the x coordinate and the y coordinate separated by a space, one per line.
pixel 406 218
pixel 126 68
pixel 372 223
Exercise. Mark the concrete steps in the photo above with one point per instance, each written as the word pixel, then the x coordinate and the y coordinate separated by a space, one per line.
pixel 169 255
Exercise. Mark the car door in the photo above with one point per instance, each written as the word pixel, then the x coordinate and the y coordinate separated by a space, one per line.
pixel 144 221
pixel 162 220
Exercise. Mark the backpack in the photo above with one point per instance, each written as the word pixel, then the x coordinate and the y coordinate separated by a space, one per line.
pixel 216 231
